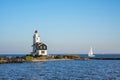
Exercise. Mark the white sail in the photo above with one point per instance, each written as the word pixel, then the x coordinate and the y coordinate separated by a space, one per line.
pixel 91 54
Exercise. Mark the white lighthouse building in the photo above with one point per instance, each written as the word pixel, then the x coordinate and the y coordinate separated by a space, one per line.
pixel 39 48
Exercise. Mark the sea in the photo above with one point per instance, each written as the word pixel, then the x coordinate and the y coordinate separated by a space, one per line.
pixel 63 70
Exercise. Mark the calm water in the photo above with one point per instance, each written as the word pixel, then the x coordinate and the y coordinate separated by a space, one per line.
pixel 62 70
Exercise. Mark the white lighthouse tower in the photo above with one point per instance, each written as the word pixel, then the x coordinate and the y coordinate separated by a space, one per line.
pixel 39 48
pixel 36 37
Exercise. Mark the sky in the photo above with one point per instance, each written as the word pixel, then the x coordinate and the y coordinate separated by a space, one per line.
pixel 66 26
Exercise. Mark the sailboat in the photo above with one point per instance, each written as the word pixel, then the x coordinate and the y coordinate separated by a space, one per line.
pixel 91 54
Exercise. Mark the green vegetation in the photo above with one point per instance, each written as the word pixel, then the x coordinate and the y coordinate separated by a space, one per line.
pixel 41 57
pixel 58 57
pixel 72 56
pixel 3 61
pixel 29 58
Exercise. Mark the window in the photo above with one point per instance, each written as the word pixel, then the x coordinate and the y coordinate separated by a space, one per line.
pixel 42 52
pixel 40 47
pixel 44 47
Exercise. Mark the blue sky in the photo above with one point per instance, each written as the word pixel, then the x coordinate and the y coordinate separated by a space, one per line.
pixel 66 26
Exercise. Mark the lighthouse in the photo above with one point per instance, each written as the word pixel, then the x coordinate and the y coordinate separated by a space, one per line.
pixel 39 48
